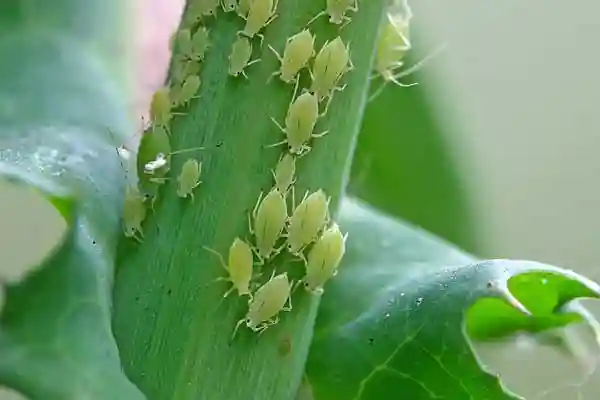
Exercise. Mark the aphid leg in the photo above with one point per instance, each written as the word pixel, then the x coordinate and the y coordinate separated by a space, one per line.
pixel 275 52
pixel 346 19
pixel 240 322
pixel 221 259
pixel 318 135
pixel 319 15
pixel 289 301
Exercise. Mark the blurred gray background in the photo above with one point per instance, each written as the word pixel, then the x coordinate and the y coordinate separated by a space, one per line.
pixel 519 79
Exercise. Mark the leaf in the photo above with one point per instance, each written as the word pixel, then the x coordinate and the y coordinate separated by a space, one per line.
pixel 391 324
pixel 171 321
pixel 58 101
pixel 404 167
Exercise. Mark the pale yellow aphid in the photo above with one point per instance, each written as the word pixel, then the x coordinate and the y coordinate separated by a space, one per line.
pixel 300 123
pixel 243 7
pixel 307 221
pixel 269 217
pixel 183 67
pixel 134 213
pixel 189 178
pixel 299 49
pixel 331 63
pixel 268 301
pixel 160 107
pixel 239 267
pixel 207 7
pixel 324 258
pixel 182 95
pixel 337 9
pixel 193 14
pixel 228 5
pixel 284 173
pixel 392 47
pixel 200 43
pixel 260 14
pixel 239 59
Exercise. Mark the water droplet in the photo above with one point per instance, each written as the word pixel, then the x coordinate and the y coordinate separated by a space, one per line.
pixel 419 301
pixel 402 294
pixel 544 281
pixel 387 315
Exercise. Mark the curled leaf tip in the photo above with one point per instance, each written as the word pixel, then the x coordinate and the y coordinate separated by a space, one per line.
pixel 500 289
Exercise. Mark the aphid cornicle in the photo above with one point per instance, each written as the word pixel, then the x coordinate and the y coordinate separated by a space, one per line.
pixel 134 213
pixel 189 178
pixel 300 123
pixel 299 49
pixel 268 301
pixel 186 92
pixel 337 9
pixel 228 5
pixel 239 59
pixel 284 173
pixel 260 14
pixel 269 217
pixel 331 63
pixel 238 266
pixel 307 221
pixel 324 258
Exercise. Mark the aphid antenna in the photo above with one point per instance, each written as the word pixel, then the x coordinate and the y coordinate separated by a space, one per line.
pixel 221 259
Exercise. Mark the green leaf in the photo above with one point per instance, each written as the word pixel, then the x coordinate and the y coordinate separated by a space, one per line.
pixel 403 165
pixel 172 324
pixel 61 176
pixel 392 322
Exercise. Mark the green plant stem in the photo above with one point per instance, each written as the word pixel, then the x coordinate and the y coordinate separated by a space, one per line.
pixel 171 323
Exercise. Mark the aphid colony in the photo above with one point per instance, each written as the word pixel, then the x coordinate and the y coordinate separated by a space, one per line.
pixel 306 231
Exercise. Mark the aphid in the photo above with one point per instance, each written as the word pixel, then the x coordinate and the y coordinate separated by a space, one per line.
pixel 331 63
pixel 299 49
pixel 162 160
pixel 392 47
pixel 284 173
pixel 239 267
pixel 134 213
pixel 239 58
pixel 260 14
pixel 182 42
pixel 307 221
pixel 268 301
pixel 186 92
pixel 270 216
pixel 228 5
pixel 243 7
pixel 324 258
pixel 300 123
pixel 160 107
pixel 337 9
pixel 183 67
pixel 200 43
pixel 189 178
pixel 193 14
pixel 154 141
